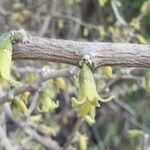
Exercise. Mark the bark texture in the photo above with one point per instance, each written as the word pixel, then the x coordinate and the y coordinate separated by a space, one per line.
pixel 72 52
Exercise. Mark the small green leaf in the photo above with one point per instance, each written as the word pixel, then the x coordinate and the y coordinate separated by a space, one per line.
pixel 18 106
pixel 46 103
pixel 135 23
pixel 135 133
pixel 83 141
pixel 60 83
pixel 15 109
pixel 103 2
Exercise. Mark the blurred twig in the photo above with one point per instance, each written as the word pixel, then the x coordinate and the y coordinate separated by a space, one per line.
pixel 73 132
pixel 33 104
pixel 76 20
pixel 34 85
pixel 48 143
pixel 117 13
pixel 4 141
pixel 48 18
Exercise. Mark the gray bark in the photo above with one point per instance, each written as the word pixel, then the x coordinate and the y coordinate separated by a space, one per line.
pixel 72 52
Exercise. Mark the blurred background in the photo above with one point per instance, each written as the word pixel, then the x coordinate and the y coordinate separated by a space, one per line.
pixel 122 21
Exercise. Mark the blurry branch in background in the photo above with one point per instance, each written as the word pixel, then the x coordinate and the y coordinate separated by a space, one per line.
pixel 46 142
pixel 10 23
pixel 35 85
pixel 129 113
pixel 4 141
pixel 34 99
pixel 48 18
pixel 76 20
pixel 26 69
pixel 120 19
pixel 74 131
pixel 37 4
pixel 136 123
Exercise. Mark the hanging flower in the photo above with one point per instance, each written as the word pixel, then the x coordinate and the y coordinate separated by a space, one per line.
pixel 88 96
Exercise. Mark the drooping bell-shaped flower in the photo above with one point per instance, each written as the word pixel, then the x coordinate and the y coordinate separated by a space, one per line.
pixel 5 58
pixel 88 96
pixel 5 61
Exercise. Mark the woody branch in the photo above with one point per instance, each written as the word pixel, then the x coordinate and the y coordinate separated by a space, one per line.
pixel 71 52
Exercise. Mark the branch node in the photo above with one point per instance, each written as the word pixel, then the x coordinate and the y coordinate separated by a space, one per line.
pixel 11 95
pixel 86 59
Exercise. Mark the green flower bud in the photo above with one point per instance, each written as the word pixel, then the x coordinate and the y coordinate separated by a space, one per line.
pixel 107 71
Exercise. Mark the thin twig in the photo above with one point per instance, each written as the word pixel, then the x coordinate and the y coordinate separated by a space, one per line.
pixel 76 20
pixel 48 18
pixel 73 132
pixel 34 85
pixel 34 99
pixel 117 13
pixel 48 143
